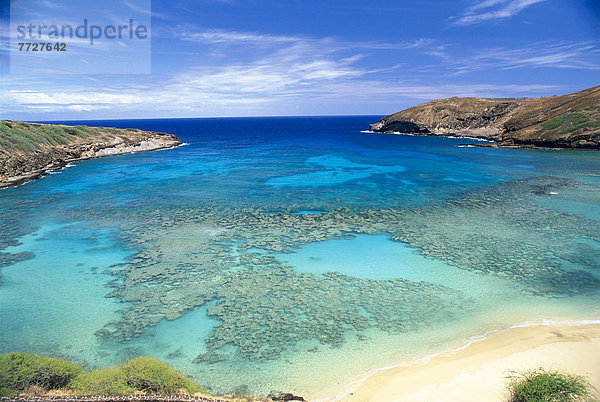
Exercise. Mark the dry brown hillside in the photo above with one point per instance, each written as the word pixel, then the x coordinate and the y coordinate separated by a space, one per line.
pixel 567 121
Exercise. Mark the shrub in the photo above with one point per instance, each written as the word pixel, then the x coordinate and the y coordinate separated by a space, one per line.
pixel 541 385
pixel 574 121
pixel 150 375
pixel 19 371
pixel 8 392
pixel 30 137
pixel 143 374
pixel 553 123
pixel 571 122
pixel 110 381
pixel 35 374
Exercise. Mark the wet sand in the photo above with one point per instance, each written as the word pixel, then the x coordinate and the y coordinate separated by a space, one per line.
pixel 478 371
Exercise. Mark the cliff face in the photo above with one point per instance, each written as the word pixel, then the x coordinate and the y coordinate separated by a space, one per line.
pixel 29 150
pixel 568 121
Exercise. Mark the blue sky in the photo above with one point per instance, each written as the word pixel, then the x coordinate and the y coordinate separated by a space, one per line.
pixel 328 57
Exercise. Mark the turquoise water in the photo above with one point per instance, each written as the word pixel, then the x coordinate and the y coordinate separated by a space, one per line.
pixel 294 254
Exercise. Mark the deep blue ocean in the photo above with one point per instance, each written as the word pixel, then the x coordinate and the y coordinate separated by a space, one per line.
pixel 295 254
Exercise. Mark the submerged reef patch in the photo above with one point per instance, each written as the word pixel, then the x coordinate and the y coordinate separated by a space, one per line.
pixel 513 237
pixel 224 257
pixel 15 223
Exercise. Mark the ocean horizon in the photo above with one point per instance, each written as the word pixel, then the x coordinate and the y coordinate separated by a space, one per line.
pixel 295 253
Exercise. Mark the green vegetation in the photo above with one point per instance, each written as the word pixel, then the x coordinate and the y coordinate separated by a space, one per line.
pixel 110 381
pixel 540 385
pixel 143 374
pixel 21 371
pixel 574 121
pixel 553 123
pixel 151 375
pixel 30 137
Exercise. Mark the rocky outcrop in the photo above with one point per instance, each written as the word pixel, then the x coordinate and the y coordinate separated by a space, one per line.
pixel 568 121
pixel 29 150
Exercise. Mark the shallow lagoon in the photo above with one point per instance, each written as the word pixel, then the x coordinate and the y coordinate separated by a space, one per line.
pixel 293 254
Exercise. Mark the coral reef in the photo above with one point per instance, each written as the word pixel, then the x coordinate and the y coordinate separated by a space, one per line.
pixel 224 258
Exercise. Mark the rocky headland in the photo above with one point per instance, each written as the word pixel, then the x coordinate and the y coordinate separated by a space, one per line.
pixel 29 150
pixel 567 121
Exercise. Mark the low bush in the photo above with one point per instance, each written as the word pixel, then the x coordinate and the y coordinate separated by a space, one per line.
pixel 553 123
pixel 31 137
pixel 110 381
pixel 570 122
pixel 143 374
pixel 540 385
pixel 8 392
pixel 150 375
pixel 574 121
pixel 19 371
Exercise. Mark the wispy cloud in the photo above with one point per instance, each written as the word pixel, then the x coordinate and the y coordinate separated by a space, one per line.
pixel 579 55
pixel 217 36
pixel 559 55
pixel 489 10
pixel 196 34
pixel 146 10
pixel 281 72
pixel 287 68
pixel 202 100
pixel 389 92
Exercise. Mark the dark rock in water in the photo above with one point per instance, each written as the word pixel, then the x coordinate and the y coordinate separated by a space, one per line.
pixel 280 396
pixel 407 127
pixel 9 259
pixel 210 357
pixel 568 121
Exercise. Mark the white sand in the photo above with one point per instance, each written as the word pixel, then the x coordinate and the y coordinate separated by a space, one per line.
pixel 477 372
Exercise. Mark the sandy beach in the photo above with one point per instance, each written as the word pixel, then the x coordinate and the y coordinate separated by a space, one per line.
pixel 477 371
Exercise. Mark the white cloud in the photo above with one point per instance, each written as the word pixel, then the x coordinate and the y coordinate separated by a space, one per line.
pixel 221 36
pixel 200 98
pixel 144 8
pixel 196 34
pixel 285 68
pixel 392 92
pixel 489 10
pixel 560 55
pixel 290 71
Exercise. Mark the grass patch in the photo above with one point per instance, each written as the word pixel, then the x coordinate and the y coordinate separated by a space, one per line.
pixel 143 374
pixel 540 385
pixel 150 375
pixel 573 121
pixel 8 392
pixel 553 123
pixel 19 371
pixel 110 381
pixel 570 122
pixel 31 137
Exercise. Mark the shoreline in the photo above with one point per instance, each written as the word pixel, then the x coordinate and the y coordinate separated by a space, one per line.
pixel 479 366
pixel 23 179
pixel 485 142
